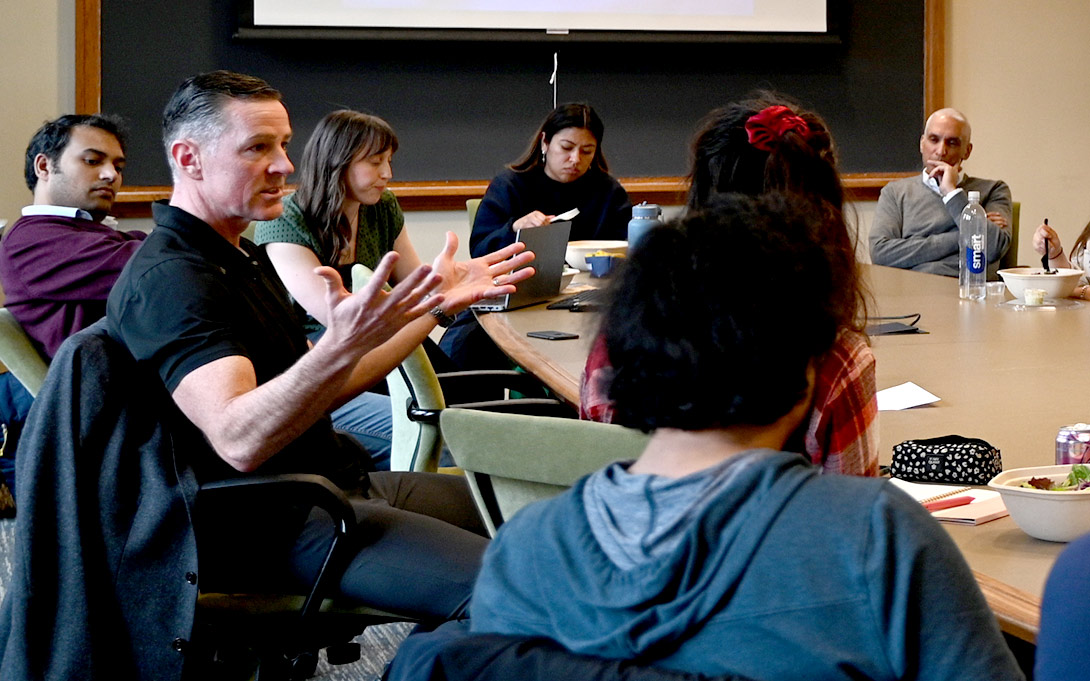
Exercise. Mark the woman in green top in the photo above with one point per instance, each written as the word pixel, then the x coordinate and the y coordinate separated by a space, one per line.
pixel 341 214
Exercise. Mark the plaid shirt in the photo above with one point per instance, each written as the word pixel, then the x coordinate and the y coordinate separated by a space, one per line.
pixel 841 435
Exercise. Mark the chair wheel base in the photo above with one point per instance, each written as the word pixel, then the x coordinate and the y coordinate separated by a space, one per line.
pixel 343 653
pixel 303 665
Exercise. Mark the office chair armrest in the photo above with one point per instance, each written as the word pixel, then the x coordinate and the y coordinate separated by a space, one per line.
pixel 315 491
pixel 493 379
pixel 531 406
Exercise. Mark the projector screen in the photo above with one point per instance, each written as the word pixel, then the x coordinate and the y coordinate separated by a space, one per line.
pixel 550 16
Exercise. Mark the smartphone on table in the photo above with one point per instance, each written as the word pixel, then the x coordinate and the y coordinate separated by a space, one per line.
pixel 552 335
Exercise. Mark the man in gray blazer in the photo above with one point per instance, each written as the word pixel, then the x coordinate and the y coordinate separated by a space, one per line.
pixel 915 224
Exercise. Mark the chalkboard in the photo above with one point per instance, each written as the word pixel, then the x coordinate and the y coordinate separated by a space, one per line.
pixel 462 110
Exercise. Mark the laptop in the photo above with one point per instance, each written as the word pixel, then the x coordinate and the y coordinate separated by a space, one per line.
pixel 548 242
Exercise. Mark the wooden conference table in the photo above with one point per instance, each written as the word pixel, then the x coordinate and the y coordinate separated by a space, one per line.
pixel 1008 374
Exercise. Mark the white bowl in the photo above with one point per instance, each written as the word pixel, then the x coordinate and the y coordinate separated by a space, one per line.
pixel 566 277
pixel 1052 516
pixel 577 251
pixel 1059 285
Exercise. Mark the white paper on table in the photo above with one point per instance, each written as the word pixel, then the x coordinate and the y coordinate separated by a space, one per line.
pixel 904 396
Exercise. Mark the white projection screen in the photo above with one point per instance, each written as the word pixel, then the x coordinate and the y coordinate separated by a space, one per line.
pixel 550 16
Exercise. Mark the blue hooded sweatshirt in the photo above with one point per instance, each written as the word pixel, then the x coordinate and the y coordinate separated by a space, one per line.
pixel 772 572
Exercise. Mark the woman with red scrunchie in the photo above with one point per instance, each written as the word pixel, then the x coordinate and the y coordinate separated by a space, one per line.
pixel 767 127
pixel 768 143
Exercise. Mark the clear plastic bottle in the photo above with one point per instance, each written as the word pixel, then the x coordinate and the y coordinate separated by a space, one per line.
pixel 973 240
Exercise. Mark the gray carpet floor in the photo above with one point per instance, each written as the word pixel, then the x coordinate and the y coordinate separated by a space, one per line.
pixel 7 544
pixel 377 644
pixel 377 647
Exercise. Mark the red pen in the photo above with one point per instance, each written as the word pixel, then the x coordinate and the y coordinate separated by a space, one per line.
pixel 947 503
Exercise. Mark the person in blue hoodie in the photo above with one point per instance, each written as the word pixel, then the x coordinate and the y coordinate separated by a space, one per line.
pixel 716 553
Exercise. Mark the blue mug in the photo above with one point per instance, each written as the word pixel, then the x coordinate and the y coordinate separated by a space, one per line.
pixel 600 265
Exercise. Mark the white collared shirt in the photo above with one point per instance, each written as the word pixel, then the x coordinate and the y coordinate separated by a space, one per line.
pixel 933 184
pixel 66 212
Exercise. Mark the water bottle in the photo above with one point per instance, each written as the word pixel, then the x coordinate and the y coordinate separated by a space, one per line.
pixel 973 241
pixel 645 217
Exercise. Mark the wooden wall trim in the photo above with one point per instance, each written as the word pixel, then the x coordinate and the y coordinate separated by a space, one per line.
pixel 452 194
pixel 934 55
pixel 135 202
pixel 88 56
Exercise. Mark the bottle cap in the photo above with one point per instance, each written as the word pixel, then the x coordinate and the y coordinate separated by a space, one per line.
pixel 974 197
pixel 645 210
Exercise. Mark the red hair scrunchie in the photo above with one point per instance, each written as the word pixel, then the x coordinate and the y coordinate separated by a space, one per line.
pixel 766 127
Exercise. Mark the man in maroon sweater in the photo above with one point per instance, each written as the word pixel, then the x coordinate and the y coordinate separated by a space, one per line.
pixel 59 261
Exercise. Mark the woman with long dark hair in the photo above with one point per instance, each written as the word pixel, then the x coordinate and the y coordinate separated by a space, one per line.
pixel 768 143
pixel 563 167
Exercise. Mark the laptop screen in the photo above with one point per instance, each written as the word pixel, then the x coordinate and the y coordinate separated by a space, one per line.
pixel 548 242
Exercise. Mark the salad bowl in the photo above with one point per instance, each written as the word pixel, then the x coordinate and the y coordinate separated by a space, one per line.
pixel 1052 515
pixel 1060 284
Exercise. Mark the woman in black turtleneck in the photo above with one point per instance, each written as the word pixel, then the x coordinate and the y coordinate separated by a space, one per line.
pixel 563 168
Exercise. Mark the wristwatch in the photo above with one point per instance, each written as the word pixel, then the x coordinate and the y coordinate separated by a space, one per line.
pixel 441 318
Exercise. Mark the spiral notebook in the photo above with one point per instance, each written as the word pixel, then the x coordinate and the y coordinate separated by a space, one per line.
pixel 986 504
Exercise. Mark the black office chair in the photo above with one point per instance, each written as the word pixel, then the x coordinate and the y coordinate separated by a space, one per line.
pixel 253 623
pixel 109 533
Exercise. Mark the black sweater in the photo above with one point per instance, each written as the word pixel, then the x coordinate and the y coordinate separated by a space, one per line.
pixel 604 208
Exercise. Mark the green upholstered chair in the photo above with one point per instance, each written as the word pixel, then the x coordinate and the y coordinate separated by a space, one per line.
pixel 417 398
pixel 511 460
pixel 1010 258
pixel 471 210
pixel 19 355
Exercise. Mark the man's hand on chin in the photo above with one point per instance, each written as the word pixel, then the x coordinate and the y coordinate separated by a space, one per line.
pixel 945 174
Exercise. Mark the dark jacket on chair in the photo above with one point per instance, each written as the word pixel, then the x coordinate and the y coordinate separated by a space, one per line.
pixel 105 567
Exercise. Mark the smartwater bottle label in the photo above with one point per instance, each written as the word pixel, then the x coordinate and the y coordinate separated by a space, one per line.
pixel 974 255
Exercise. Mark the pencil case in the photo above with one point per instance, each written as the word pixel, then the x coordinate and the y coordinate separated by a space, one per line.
pixel 952 458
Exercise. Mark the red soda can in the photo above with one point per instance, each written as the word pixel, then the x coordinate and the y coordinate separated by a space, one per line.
pixel 1073 444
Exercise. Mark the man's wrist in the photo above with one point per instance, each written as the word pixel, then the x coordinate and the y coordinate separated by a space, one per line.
pixel 950 194
pixel 441 318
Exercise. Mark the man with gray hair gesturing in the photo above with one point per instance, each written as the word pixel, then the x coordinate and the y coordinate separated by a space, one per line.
pixel 916 223
pixel 203 308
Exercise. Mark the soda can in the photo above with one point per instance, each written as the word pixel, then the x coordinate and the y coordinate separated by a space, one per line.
pixel 1073 444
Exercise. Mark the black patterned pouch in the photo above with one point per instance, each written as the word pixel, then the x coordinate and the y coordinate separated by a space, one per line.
pixel 964 460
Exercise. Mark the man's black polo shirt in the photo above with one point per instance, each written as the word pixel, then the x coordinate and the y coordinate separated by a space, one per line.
pixel 187 298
